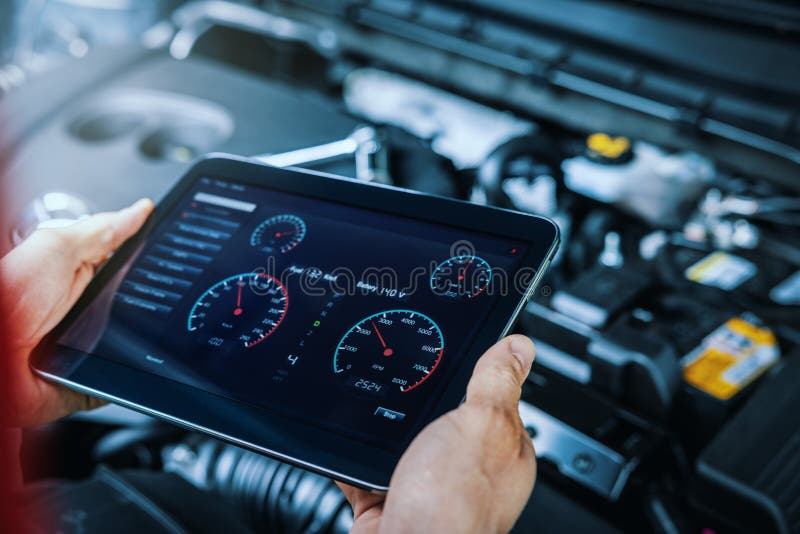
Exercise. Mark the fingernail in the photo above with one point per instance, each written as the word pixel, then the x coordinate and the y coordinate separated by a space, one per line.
pixel 140 204
pixel 522 349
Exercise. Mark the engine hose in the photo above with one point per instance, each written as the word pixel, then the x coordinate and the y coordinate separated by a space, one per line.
pixel 273 496
pixel 494 169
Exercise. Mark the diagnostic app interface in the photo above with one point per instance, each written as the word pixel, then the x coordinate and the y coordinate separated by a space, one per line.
pixel 341 317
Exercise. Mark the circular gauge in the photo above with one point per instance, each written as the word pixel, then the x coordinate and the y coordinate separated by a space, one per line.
pixel 241 310
pixel 281 232
pixel 461 276
pixel 391 349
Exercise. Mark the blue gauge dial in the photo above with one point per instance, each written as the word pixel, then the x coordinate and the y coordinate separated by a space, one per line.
pixel 239 311
pixel 280 233
pixel 465 276
pixel 389 350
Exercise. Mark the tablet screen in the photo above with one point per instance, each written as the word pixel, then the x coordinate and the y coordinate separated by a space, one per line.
pixel 341 317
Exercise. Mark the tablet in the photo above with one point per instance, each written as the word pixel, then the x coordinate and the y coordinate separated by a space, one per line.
pixel 316 319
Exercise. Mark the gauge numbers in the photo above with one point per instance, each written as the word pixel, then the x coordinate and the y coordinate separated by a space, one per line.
pixel 389 350
pixel 465 276
pixel 279 233
pixel 239 311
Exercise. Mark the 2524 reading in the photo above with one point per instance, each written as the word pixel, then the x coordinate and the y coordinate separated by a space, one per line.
pixel 389 351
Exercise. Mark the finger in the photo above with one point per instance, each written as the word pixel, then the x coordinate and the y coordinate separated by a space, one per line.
pixel 353 494
pixel 52 402
pixel 74 401
pixel 501 371
pixel 361 501
pixel 95 238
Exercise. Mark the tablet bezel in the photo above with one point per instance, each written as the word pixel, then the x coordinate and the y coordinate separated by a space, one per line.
pixel 257 429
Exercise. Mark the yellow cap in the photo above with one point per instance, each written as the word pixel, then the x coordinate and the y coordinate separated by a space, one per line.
pixel 607 146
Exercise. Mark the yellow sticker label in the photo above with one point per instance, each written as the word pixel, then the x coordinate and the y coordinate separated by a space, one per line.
pixel 706 371
pixel 721 270
pixel 730 358
pixel 696 272
pixel 757 335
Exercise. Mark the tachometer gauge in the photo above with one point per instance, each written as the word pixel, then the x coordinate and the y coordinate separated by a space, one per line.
pixel 390 350
pixel 239 311
pixel 279 233
pixel 464 276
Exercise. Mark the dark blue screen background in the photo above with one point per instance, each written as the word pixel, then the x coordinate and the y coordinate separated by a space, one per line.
pixel 140 319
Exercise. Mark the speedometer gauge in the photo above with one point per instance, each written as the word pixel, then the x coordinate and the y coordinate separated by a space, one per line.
pixel 279 233
pixel 390 350
pixel 239 311
pixel 465 276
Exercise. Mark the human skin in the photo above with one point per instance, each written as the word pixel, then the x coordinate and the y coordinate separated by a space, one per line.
pixel 41 280
pixel 471 470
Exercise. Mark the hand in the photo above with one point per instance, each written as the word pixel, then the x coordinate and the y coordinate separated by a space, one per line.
pixel 471 470
pixel 41 279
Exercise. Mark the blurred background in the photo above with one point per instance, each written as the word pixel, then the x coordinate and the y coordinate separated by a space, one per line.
pixel 663 137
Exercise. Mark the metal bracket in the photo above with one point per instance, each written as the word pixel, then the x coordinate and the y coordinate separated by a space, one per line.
pixel 193 20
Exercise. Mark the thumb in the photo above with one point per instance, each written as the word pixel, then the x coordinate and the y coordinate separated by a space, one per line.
pixel 499 374
pixel 94 239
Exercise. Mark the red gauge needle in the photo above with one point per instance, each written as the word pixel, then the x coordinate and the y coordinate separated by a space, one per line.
pixel 281 234
pixel 238 309
pixel 464 270
pixel 386 350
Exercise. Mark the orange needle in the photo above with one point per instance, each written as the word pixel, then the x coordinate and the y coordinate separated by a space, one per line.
pixel 383 343
pixel 238 310
pixel 464 270
pixel 386 351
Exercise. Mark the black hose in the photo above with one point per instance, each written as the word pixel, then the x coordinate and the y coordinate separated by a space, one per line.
pixel 275 497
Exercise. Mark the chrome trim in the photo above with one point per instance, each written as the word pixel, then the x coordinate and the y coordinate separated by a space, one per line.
pixel 523 303
pixel 194 19
pixel 563 445
pixel 529 291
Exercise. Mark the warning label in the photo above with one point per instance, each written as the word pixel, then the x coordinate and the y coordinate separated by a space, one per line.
pixel 722 270
pixel 730 357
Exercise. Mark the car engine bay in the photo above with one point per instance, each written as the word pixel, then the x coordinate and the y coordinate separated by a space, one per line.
pixel 665 142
